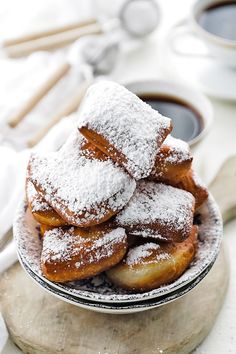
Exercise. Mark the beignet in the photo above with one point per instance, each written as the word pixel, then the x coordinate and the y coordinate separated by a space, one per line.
pixel 124 127
pixel 159 211
pixel 83 190
pixel 192 183
pixel 173 161
pixel 150 265
pixel 75 253
pixel 40 209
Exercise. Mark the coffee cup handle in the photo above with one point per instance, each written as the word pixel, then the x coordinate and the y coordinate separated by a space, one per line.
pixel 181 30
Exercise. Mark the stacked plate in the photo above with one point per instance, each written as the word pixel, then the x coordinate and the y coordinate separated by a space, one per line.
pixel 97 293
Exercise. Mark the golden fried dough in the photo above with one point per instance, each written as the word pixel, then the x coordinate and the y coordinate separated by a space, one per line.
pixel 75 253
pixel 130 132
pixel 151 265
pixel 44 228
pixel 173 161
pixel 192 184
pixel 41 210
pixel 80 184
pixel 159 211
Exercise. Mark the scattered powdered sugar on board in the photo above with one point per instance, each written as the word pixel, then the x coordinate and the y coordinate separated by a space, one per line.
pixel 79 188
pixel 180 150
pixel 157 203
pixel 36 201
pixel 60 245
pixel 98 288
pixel 130 125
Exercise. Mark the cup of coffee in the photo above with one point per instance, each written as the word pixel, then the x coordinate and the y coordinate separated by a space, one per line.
pixel 214 22
pixel 191 112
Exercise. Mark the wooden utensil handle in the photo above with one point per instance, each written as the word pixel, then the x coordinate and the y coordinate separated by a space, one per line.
pixel 223 188
pixel 70 107
pixel 47 32
pixel 39 94
pixel 52 42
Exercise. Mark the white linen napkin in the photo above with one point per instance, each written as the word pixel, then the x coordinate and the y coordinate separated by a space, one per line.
pixel 12 177
pixel 12 180
pixel 13 155
pixel 19 78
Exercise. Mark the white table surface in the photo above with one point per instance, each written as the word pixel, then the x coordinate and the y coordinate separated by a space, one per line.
pixel 209 154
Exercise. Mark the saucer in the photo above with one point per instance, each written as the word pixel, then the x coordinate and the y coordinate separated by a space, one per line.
pixel 99 289
pixel 119 307
pixel 201 71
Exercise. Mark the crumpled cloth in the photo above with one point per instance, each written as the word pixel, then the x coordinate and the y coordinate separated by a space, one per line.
pixel 14 153
pixel 12 180
pixel 19 78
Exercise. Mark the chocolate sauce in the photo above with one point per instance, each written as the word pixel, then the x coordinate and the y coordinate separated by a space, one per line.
pixel 220 19
pixel 187 122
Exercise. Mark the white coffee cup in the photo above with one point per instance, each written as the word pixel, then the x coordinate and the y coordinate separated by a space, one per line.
pixel 220 48
pixel 190 96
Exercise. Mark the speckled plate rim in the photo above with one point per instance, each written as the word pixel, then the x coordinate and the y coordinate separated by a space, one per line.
pixel 116 308
pixel 210 231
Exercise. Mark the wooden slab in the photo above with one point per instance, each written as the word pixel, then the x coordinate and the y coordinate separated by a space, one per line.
pixel 40 323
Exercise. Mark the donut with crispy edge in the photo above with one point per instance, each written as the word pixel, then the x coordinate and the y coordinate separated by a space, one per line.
pixel 74 253
pixel 150 265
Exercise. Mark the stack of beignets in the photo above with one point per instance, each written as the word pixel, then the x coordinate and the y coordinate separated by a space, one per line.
pixel 119 196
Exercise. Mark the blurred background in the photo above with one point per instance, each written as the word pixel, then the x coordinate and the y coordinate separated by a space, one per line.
pixel 24 70
pixel 42 82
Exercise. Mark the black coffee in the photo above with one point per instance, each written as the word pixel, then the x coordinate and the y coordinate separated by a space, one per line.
pixel 220 19
pixel 187 122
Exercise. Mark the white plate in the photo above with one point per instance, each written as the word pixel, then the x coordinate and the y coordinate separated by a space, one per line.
pixel 99 289
pixel 116 308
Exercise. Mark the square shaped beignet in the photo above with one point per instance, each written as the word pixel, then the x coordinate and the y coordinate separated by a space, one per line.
pixel 75 253
pixel 173 161
pixel 40 209
pixel 159 211
pixel 123 126
pixel 82 189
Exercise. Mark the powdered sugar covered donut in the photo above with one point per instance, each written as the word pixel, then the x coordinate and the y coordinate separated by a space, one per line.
pixel 192 183
pixel 173 161
pixel 159 211
pixel 83 190
pixel 75 253
pixel 123 126
pixel 41 210
pixel 150 265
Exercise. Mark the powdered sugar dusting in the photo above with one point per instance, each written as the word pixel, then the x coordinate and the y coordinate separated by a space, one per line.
pixel 147 232
pixel 36 201
pixel 80 188
pixel 128 123
pixel 98 288
pixel 60 245
pixel 139 254
pixel 158 203
pixel 180 150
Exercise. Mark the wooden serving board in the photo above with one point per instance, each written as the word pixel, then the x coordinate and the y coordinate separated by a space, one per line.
pixel 40 323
